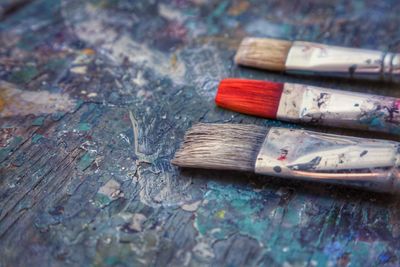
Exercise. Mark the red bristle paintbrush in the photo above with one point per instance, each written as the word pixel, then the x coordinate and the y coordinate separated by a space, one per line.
pixel 310 104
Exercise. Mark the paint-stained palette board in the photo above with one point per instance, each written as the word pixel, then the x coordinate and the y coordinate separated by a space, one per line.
pixel 95 99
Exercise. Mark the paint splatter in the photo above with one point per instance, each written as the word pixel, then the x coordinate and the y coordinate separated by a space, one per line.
pixel 84 126
pixel 18 102
pixel 38 121
pixel 277 169
pixel 238 8
pixel 119 47
pixel 191 207
pixel 36 138
pixel 220 214
pixel 85 161
pixel 352 70
pixel 283 154
pixel 312 164
pixel 109 192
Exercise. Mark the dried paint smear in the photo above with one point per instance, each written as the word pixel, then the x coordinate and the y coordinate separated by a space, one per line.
pixel 16 102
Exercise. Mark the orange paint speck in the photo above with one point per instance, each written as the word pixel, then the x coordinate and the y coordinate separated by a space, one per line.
pixel 239 8
pixel 88 51
pixel 2 103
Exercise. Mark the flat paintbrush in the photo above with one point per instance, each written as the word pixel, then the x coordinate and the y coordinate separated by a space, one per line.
pixel 366 163
pixel 310 104
pixel 318 59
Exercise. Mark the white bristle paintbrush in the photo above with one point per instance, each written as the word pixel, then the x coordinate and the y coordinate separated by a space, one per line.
pixel 366 163
pixel 318 59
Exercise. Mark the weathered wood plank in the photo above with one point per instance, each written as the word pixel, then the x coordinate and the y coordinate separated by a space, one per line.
pixel 95 99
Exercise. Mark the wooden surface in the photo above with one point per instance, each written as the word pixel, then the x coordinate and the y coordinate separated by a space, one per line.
pixel 95 98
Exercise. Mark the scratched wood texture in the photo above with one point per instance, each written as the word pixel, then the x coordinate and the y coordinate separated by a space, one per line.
pixel 95 97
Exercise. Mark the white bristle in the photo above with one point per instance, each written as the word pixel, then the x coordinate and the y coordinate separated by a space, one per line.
pixel 263 53
pixel 221 146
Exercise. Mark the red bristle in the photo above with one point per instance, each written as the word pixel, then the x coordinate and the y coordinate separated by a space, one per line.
pixel 251 97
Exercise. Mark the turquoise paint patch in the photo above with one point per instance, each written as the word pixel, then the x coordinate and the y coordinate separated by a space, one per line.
pixel 218 11
pixel 55 64
pixel 38 121
pixel 84 126
pixel 360 249
pixel 86 160
pixel 24 75
pixel 92 106
pixel 111 261
pixel 78 104
pixel 36 138
pixel 321 259
pixel 292 217
pixel 233 209
pixel 230 209
pixel 267 28
pixel 27 42
pixel 13 144
pixel 377 123
pixel 102 200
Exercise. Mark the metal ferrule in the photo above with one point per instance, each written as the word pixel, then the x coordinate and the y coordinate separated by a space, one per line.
pixel 326 60
pixel 366 163
pixel 321 106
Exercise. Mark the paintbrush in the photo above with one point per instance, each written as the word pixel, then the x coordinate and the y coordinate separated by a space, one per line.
pixel 318 59
pixel 309 104
pixel 366 163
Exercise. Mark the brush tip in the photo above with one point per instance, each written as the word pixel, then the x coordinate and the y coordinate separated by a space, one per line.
pixel 263 53
pixel 221 146
pixel 259 98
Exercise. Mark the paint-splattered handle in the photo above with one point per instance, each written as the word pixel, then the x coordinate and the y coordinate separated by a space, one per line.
pixel 327 60
pixel 366 163
pixel 322 106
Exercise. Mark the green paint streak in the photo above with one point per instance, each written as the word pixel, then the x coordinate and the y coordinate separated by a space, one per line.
pixel 36 138
pixel 86 160
pixel 25 75
pixel 38 121
pixel 84 126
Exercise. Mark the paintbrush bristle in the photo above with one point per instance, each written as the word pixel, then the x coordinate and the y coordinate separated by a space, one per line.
pixel 263 53
pixel 221 146
pixel 251 97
